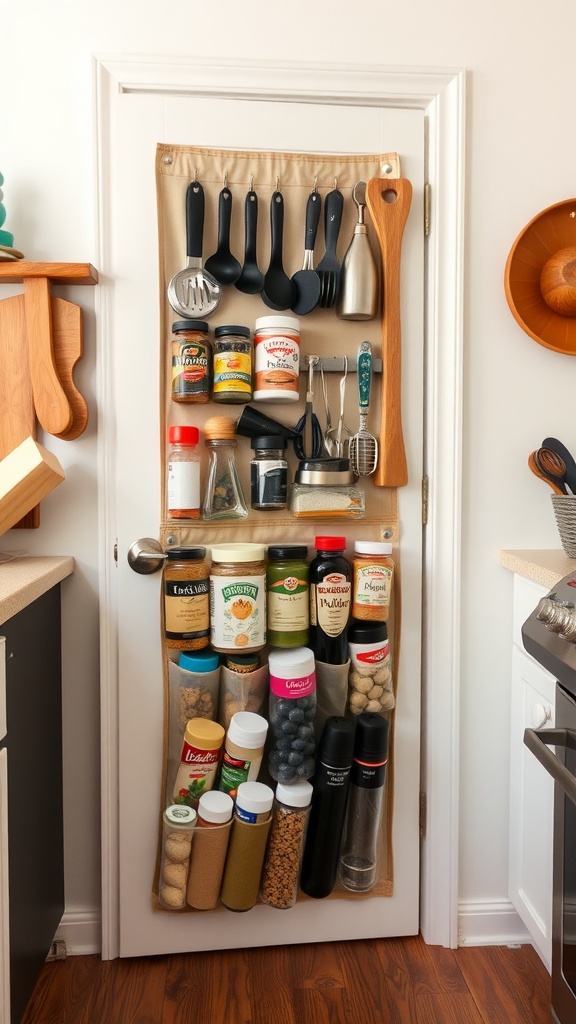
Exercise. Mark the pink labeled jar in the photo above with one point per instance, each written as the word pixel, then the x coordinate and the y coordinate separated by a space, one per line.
pixel 292 710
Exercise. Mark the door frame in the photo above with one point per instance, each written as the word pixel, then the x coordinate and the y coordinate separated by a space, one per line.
pixel 440 94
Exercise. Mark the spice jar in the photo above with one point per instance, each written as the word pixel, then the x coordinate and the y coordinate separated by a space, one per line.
pixel 288 597
pixel 292 710
pixel 209 849
pixel 186 599
pixel 370 678
pixel 224 498
pixel 238 598
pixel 290 813
pixel 177 832
pixel 243 749
pixel 232 381
pixel 250 828
pixel 198 761
pixel 276 359
pixel 191 359
pixel 268 473
pixel 183 466
pixel 330 598
pixel 373 576
pixel 325 489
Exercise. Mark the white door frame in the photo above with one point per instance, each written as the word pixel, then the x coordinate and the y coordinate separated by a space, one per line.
pixel 440 94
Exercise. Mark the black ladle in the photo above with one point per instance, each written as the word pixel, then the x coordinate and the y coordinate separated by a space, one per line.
pixel 569 462
pixel 251 280
pixel 278 291
pixel 223 265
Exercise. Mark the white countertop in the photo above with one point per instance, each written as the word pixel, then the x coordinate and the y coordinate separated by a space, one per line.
pixel 25 579
pixel 545 567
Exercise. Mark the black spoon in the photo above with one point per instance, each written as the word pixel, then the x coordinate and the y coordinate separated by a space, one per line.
pixel 306 282
pixel 278 292
pixel 251 279
pixel 223 265
pixel 569 462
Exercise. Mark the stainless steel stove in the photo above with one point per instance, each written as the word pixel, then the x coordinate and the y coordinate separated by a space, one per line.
pixel 549 635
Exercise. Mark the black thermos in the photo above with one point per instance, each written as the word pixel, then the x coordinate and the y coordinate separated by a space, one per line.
pixel 330 783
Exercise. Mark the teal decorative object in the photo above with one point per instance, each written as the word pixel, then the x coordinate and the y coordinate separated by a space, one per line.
pixel 6 237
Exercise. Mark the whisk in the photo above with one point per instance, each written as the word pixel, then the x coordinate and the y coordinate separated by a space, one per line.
pixel 363 449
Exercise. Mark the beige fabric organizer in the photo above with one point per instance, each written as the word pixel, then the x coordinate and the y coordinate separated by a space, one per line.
pixel 321 332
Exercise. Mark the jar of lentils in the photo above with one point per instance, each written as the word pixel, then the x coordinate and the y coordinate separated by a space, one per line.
pixel 232 365
pixel 291 810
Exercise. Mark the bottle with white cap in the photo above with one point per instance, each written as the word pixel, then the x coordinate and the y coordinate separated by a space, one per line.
pixel 243 749
pixel 250 828
pixel 292 710
pixel 253 802
pixel 279 886
pixel 208 854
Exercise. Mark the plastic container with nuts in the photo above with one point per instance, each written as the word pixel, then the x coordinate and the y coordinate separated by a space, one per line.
pixel 279 885
pixel 370 678
pixel 177 831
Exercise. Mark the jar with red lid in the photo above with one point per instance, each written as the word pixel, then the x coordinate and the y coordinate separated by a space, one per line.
pixel 330 599
pixel 183 473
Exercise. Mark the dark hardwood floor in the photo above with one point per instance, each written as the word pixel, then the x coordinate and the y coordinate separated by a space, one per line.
pixel 379 981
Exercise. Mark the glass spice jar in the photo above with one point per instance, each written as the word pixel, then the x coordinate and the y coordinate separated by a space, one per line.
pixel 268 473
pixel 288 596
pixel 223 498
pixel 183 471
pixel 232 378
pixel 238 598
pixel 372 583
pixel 276 359
pixel 290 813
pixel 191 361
pixel 186 600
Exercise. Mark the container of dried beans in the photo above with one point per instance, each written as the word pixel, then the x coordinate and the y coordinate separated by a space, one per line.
pixel 291 810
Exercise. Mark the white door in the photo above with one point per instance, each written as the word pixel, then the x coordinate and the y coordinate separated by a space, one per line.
pixel 131 122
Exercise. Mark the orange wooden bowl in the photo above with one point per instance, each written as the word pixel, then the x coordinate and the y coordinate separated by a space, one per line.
pixel 540 278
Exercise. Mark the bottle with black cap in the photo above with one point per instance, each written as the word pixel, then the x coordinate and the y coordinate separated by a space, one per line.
pixel 359 852
pixel 330 791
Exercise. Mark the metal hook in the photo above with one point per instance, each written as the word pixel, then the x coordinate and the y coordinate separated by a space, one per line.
pixel 335 183
pixel 225 179
pixel 315 189
pixel 277 183
pixel 251 182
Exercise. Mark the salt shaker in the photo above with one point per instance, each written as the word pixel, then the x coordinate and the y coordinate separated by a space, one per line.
pixel 224 498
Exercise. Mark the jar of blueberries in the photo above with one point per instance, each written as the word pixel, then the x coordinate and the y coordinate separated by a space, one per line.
pixel 292 710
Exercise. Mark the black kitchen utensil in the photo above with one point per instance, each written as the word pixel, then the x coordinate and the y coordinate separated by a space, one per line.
pixel 251 280
pixel 329 269
pixel 194 292
pixel 308 443
pixel 253 423
pixel 569 462
pixel 306 282
pixel 278 292
pixel 223 265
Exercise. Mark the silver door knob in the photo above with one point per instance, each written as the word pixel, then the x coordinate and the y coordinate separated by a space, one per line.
pixel 146 556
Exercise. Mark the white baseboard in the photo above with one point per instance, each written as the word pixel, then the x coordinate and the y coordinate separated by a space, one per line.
pixel 81 931
pixel 490 923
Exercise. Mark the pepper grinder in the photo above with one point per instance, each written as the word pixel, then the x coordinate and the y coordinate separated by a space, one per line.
pixel 224 498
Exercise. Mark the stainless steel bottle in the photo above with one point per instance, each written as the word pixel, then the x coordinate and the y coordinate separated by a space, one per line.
pixel 360 287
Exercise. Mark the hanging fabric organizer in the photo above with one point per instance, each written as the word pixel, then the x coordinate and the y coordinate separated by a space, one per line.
pixel 295 176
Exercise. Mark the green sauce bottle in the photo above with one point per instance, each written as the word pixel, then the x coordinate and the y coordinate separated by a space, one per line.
pixel 288 596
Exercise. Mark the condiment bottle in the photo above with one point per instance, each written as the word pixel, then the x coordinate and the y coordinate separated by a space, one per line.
pixel 177 831
pixel 359 850
pixel 292 710
pixel 268 473
pixel 199 760
pixel 232 365
pixel 330 600
pixel 214 808
pixel 223 498
pixel 238 598
pixel 373 576
pixel 191 361
pixel 276 359
pixel 250 828
pixel 290 813
pixel 253 803
pixel 288 595
pixel 183 463
pixel 330 793
pixel 186 599
pixel 208 854
pixel 243 749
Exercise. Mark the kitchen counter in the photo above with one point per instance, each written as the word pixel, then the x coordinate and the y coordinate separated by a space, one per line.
pixel 25 579
pixel 545 567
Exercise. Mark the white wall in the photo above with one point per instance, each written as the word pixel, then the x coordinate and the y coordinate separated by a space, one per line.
pixel 521 158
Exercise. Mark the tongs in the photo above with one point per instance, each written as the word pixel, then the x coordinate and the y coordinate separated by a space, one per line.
pixel 308 443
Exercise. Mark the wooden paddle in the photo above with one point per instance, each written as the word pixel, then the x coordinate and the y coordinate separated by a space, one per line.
pixel 18 418
pixel 389 201
pixel 50 401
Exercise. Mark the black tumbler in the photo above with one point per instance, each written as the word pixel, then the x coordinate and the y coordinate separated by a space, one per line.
pixel 330 792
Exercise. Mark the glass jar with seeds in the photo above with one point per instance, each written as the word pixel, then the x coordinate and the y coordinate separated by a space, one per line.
pixel 224 498
pixel 291 810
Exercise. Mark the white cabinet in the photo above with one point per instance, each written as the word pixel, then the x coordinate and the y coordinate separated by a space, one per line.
pixel 531 788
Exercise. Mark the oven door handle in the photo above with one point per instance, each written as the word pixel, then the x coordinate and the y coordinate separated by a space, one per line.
pixel 538 741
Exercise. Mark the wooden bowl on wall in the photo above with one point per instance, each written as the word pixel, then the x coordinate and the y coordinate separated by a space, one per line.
pixel 540 278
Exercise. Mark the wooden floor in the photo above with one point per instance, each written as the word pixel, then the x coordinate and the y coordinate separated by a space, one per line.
pixel 381 981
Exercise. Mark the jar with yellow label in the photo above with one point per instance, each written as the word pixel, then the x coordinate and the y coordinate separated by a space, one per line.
pixel 232 379
pixel 238 598
pixel 373 577
pixel 186 601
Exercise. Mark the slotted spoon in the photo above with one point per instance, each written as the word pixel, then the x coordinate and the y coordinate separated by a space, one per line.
pixel 363 449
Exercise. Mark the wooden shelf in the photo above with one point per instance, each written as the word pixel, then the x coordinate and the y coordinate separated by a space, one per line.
pixel 16 271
